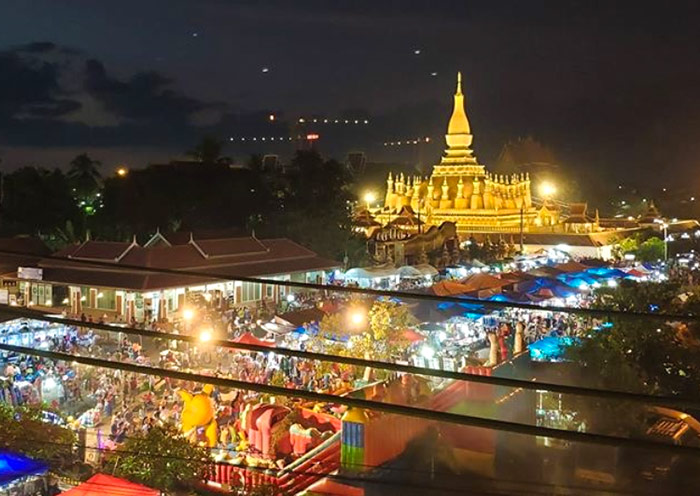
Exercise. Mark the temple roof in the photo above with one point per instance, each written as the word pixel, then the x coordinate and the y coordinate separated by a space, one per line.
pixel 459 124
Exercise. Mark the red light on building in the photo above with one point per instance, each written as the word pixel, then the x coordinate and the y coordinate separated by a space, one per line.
pixel 312 137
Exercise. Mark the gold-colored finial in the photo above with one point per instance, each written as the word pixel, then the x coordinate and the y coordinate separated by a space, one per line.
pixel 459 82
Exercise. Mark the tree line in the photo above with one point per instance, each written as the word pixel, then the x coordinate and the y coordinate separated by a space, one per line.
pixel 309 200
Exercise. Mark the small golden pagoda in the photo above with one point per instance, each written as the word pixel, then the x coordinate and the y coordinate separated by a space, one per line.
pixel 462 191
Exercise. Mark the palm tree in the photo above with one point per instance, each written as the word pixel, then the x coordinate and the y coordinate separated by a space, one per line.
pixel 84 176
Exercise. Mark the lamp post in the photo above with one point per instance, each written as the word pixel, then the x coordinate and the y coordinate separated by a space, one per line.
pixel 664 226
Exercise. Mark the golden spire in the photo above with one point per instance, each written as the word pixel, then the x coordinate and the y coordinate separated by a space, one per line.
pixel 459 124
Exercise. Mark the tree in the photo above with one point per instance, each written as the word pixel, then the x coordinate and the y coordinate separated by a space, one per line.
pixel 651 250
pixel 162 459
pixel 208 151
pixel 633 354
pixel 380 335
pixel 23 430
pixel 36 200
pixel 84 176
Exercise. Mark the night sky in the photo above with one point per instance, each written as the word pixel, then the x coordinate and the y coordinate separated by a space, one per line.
pixel 612 87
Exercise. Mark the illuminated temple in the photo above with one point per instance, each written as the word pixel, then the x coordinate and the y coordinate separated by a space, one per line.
pixel 461 190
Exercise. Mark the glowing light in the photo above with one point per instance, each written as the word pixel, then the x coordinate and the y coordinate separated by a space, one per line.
pixel 271 117
pixel 312 137
pixel 290 298
pixel 205 335
pixel 612 283
pixel 416 51
pixel 188 314
pixel 547 189
pixel 66 301
pixel 122 171
pixel 207 297
pixel 357 317
pixel 265 69
pixel 370 197
pixel 48 303
pixel 427 352
pixel 100 295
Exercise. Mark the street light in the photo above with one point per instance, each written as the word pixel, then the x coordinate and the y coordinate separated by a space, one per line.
pixel 547 189
pixel 369 198
pixel 122 171
pixel 664 226
pixel 188 314
pixel 205 335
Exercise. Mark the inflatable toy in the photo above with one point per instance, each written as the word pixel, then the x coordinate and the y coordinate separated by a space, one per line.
pixel 198 412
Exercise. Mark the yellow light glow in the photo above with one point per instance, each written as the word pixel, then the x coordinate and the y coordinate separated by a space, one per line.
pixel 357 317
pixel 370 197
pixel 188 314
pixel 48 303
pixel 207 296
pixel 547 189
pixel 205 336
pixel 122 171
pixel 271 117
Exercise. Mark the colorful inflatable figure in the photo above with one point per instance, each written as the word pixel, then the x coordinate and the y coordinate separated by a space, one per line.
pixel 198 412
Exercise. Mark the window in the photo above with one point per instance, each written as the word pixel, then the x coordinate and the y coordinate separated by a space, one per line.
pixel 106 299
pixel 251 291
pixel 269 290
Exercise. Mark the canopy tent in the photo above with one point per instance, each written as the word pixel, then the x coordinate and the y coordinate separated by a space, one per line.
pixel 413 336
pixel 557 288
pixel 409 272
pixel 607 272
pixel 545 271
pixel 448 288
pixel 430 312
pixel 14 466
pixel 571 266
pixel 482 281
pixel 549 349
pixel 427 270
pixel 248 338
pixel 298 318
pixel 636 273
pixel 107 485
pixel 379 271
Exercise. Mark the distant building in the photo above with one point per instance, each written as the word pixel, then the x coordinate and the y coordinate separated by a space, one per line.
pixel 115 285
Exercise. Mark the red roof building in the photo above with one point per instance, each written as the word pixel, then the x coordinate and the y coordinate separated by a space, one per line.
pixel 115 276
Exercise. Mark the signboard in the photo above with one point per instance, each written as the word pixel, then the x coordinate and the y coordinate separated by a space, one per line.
pixel 4 297
pixel 32 273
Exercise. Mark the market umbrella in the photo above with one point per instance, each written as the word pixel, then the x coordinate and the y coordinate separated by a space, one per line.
pixel 106 485
pixel 413 336
pixel 248 338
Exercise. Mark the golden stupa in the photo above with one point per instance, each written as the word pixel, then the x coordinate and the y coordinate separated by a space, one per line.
pixel 462 191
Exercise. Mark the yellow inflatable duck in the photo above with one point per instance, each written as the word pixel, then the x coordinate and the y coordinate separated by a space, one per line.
pixel 199 412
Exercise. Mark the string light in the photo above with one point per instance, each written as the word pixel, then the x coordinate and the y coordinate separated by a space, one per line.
pixel 260 138
pixel 412 141
pixel 328 120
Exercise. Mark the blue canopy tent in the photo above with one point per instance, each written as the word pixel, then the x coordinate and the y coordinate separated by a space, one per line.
pixel 430 311
pixel 549 349
pixel 15 467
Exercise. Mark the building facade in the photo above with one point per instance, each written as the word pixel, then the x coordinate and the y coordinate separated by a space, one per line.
pixel 114 277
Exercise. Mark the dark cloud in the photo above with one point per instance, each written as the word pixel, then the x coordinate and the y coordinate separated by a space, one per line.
pixel 145 97
pixel 30 86
pixel 43 95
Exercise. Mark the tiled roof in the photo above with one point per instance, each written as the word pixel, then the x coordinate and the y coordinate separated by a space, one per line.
pixel 233 258
pixel 99 250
